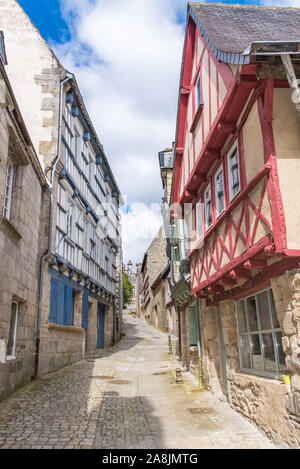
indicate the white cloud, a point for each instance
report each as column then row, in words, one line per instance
column 126, row 57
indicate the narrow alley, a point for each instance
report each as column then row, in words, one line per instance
column 128, row 399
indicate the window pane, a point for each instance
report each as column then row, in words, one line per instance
column 251, row 313
column 219, row 188
column 257, row 357
column 12, row 328
column 208, row 208
column 263, row 304
column 245, row 351
column 270, row 362
column 282, row 365
column 241, row 316
column 273, row 311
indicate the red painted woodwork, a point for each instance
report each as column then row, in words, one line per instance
column 254, row 284
column 216, row 267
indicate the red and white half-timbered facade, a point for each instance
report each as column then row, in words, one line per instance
column 227, row 168
column 236, row 184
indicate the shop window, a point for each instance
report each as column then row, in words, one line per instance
column 260, row 336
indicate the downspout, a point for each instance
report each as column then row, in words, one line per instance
column 121, row 286
column 45, row 256
column 200, row 370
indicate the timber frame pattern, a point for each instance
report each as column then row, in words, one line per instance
column 218, row 272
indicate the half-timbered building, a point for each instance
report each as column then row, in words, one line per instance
column 236, row 183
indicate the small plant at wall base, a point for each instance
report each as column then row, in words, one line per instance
column 127, row 290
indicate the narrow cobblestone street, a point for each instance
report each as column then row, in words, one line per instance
column 126, row 399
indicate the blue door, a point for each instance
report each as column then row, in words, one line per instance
column 100, row 325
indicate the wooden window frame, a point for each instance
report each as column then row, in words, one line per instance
column 8, row 189
column 208, row 188
column 216, row 174
column 234, row 148
column 13, row 355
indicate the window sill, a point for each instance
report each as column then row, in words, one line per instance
column 9, row 358
column 196, row 118
column 260, row 377
column 60, row 327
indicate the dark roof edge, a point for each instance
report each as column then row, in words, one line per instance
column 227, row 57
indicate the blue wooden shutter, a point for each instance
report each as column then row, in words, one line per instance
column 68, row 306
column 85, row 307
column 60, row 303
column 53, row 300
column 192, row 326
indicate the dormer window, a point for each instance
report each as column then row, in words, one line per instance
column 233, row 172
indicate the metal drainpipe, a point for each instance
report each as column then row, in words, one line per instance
column 121, row 287
column 199, row 345
column 45, row 256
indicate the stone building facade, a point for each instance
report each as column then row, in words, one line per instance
column 237, row 165
column 23, row 187
column 155, row 259
column 79, row 304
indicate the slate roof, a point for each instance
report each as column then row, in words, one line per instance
column 230, row 29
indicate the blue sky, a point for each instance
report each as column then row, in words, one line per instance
column 128, row 75
column 47, row 16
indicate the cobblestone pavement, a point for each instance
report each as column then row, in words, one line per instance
column 127, row 398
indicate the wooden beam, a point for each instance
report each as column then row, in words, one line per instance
column 227, row 282
column 239, row 273
column 255, row 264
column 226, row 127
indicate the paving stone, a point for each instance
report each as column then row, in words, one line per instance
column 131, row 409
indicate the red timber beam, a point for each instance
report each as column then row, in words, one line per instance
column 185, row 88
column 237, row 263
column 265, row 110
column 256, row 283
column 235, row 100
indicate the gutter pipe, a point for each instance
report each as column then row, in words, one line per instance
column 200, row 370
column 45, row 256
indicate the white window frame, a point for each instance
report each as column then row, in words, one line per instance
column 13, row 356
column 196, row 90
column 9, row 181
column 230, row 179
column 208, row 189
column 217, row 174
column 260, row 331
column 199, row 220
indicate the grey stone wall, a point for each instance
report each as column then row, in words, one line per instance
column 19, row 253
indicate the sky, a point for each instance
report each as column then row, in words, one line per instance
column 126, row 56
